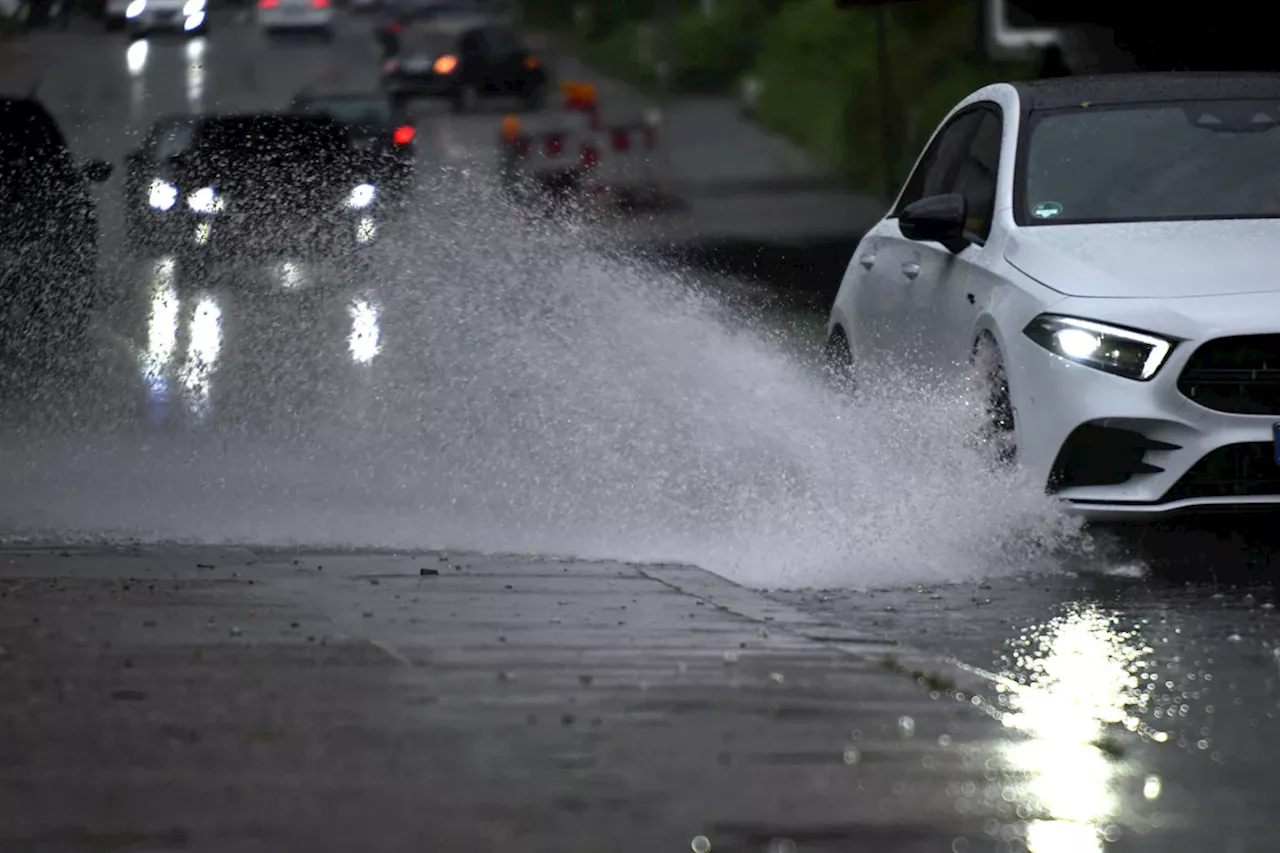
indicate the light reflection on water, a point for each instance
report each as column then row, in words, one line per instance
column 195, row 73
column 364, row 339
column 202, row 354
column 203, row 341
column 162, row 334
column 1074, row 681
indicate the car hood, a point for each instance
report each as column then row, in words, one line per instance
column 1151, row 259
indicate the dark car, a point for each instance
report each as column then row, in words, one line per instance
column 463, row 58
column 48, row 229
column 380, row 130
column 250, row 186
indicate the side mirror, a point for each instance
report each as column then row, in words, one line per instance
column 97, row 171
column 937, row 219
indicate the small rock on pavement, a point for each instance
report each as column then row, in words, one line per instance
column 426, row 573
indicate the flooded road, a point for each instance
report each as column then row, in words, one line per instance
column 1147, row 696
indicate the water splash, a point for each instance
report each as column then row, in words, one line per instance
column 535, row 390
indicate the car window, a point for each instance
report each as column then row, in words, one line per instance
column 426, row 39
column 976, row 176
column 936, row 171
column 500, row 42
column 1213, row 159
column 28, row 135
column 472, row 42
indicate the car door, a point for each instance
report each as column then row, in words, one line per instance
column 894, row 301
column 966, row 285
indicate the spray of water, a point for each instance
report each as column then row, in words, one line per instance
column 529, row 389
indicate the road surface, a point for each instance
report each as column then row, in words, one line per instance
column 212, row 654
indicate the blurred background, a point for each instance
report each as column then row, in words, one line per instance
column 788, row 123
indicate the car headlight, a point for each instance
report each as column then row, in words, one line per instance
column 1123, row 352
column 362, row 196
column 162, row 194
column 205, row 200
column 136, row 8
column 193, row 7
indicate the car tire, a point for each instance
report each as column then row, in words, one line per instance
column 837, row 357
column 998, row 432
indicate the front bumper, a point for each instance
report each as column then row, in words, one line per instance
column 1117, row 449
column 192, row 235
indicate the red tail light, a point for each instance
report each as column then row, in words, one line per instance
column 555, row 145
column 319, row 4
column 621, row 139
column 403, row 135
column 268, row 4
column 395, row 28
column 590, row 157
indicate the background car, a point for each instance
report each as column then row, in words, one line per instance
column 145, row 16
column 380, row 129
column 274, row 16
column 463, row 58
column 252, row 186
column 48, row 232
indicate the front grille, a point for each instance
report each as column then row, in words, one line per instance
column 1232, row 471
column 1240, row 375
column 1097, row 455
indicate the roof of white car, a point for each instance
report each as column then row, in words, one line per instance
column 1062, row 92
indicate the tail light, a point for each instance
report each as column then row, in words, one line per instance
column 590, row 157
column 395, row 28
column 403, row 135
column 319, row 4
column 268, row 4
column 555, row 145
column 531, row 62
column 445, row 64
column 621, row 139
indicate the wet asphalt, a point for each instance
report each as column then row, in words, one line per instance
column 240, row 700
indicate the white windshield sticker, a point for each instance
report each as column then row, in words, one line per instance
column 1046, row 210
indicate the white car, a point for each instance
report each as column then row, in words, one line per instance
column 146, row 16
column 280, row 15
column 1106, row 251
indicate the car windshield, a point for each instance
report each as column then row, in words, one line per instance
column 271, row 138
column 350, row 110
column 427, row 40
column 1142, row 162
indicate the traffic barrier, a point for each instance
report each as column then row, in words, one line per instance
column 607, row 162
